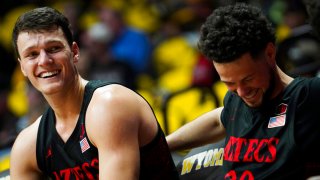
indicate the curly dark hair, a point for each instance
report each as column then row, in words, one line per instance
column 230, row 31
column 41, row 19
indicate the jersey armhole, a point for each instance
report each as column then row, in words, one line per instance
column 223, row 112
column 40, row 144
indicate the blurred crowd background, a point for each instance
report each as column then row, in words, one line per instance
column 151, row 47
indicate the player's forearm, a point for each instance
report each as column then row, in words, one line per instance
column 183, row 138
column 203, row 130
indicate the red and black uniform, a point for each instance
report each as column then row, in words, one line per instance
column 279, row 140
column 77, row 158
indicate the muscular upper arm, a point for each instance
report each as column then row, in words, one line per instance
column 23, row 163
column 114, row 121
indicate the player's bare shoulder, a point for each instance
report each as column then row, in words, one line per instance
column 28, row 136
column 111, row 107
column 115, row 96
column 23, row 153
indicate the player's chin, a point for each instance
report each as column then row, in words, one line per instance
column 254, row 103
column 256, row 100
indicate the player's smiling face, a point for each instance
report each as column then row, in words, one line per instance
column 47, row 59
column 249, row 78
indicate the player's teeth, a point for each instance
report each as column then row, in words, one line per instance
column 47, row 74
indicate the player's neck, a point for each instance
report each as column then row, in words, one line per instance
column 282, row 80
column 68, row 105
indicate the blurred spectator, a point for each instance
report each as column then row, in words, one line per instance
column 299, row 54
column 298, row 49
column 100, row 63
column 313, row 9
column 127, row 44
column 295, row 14
column 285, row 15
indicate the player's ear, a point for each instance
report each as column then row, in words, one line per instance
column 270, row 54
column 76, row 52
